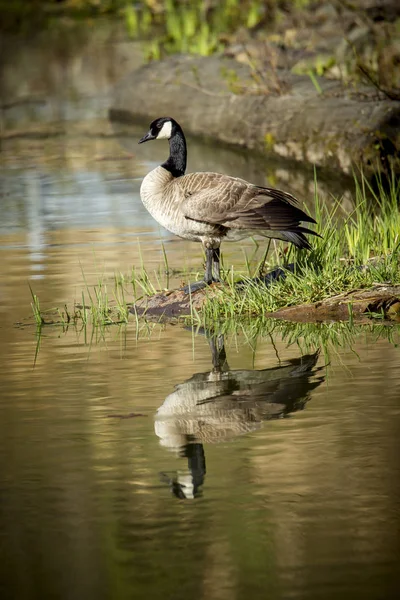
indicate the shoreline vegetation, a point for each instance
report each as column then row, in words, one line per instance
column 351, row 273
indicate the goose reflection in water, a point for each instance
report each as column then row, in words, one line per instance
column 221, row 404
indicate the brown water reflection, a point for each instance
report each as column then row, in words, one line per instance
column 221, row 404
column 306, row 506
column 301, row 507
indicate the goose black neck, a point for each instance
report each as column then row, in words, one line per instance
column 176, row 162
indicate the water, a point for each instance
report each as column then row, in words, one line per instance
column 302, row 506
column 255, row 477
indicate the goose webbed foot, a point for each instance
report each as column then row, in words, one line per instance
column 194, row 287
column 198, row 285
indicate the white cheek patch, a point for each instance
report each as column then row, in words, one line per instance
column 165, row 131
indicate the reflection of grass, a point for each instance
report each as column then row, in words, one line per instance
column 334, row 337
column 331, row 338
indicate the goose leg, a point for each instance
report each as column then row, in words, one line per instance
column 218, row 354
column 208, row 278
column 216, row 265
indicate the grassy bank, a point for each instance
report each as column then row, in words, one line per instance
column 357, row 250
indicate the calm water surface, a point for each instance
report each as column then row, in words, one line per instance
column 157, row 463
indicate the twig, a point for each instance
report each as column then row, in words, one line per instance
column 388, row 93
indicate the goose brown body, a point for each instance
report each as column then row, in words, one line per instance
column 201, row 206
column 207, row 207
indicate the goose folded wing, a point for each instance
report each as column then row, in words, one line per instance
column 219, row 199
column 211, row 197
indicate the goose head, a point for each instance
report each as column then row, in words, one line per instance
column 160, row 129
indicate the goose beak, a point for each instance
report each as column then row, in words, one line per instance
column 147, row 137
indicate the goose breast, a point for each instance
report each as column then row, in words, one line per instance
column 164, row 198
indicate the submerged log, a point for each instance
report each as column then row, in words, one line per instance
column 216, row 97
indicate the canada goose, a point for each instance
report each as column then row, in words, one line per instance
column 209, row 207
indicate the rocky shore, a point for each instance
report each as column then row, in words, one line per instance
column 215, row 97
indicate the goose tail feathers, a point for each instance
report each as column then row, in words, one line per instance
column 297, row 238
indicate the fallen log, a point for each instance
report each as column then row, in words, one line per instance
column 381, row 300
column 171, row 305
